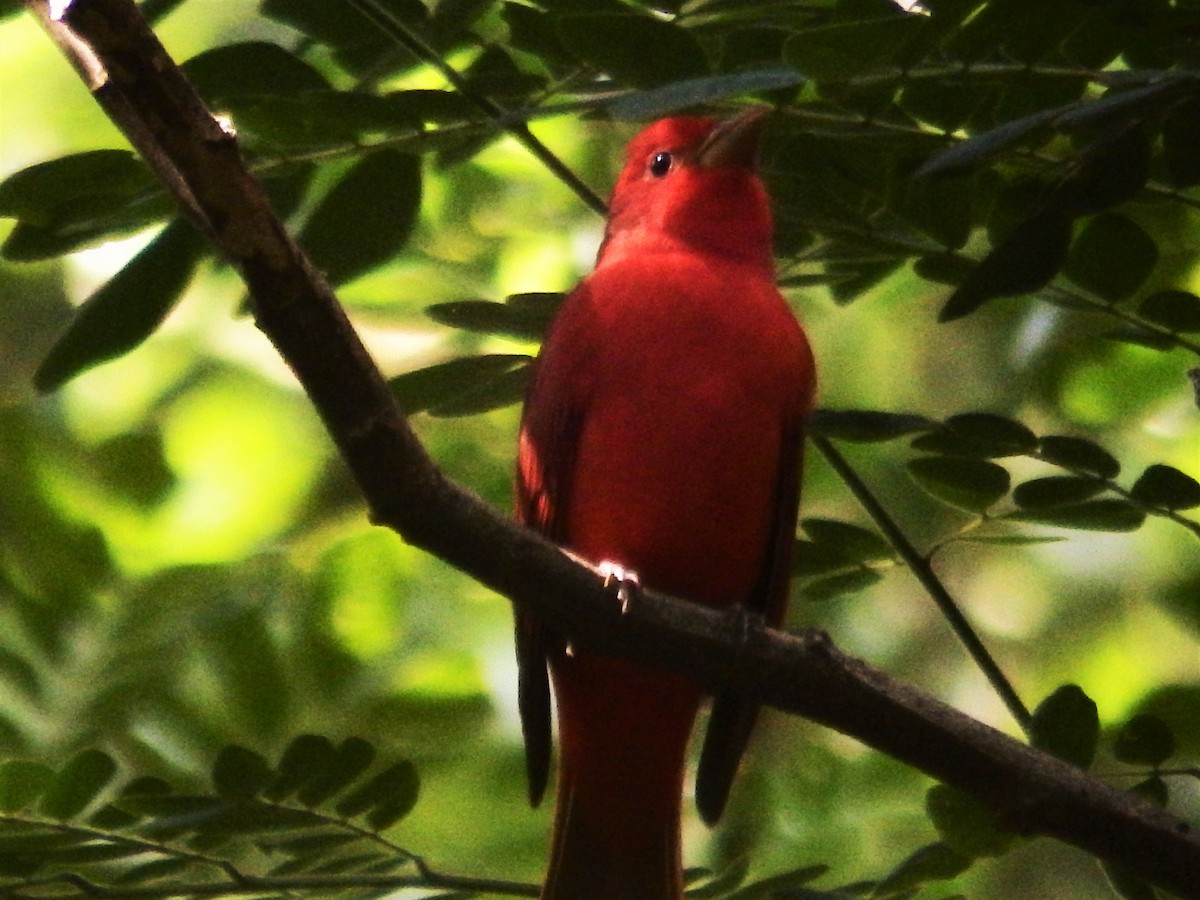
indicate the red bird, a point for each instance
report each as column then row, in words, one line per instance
column 662, row 433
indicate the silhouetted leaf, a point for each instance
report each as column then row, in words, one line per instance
column 856, row 543
column 933, row 862
column 1181, row 144
column 1025, row 261
column 1166, row 487
column 1112, row 257
column 77, row 784
column 866, row 426
column 1093, row 515
column 524, row 316
column 1177, row 310
column 842, row 50
column 1079, row 454
column 240, row 774
column 826, row 587
column 1108, row 172
column 1066, row 725
column 655, row 102
column 352, row 758
column 1144, row 740
column 387, row 797
column 1055, row 490
column 965, row 824
column 250, row 67
column 971, row 484
column 128, row 308
column 438, row 385
column 634, row 49
column 367, row 217
column 982, row 148
column 306, row 757
column 983, row 435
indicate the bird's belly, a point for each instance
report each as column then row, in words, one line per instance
column 685, row 500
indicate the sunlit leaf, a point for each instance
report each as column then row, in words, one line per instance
column 1066, row 725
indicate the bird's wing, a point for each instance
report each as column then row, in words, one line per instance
column 549, row 438
column 733, row 716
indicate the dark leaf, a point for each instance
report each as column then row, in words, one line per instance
column 1144, row 740
column 944, row 268
column 391, row 793
column 1166, row 487
column 252, row 67
column 1080, row 455
column 1126, row 885
column 1181, row 144
column 1093, row 515
column 982, row 148
column 842, row 50
column 367, row 217
column 78, row 783
column 1066, row 725
column 1107, row 173
column 1025, row 261
column 21, row 783
column 1112, row 257
column 655, row 102
column 933, row 862
column 155, row 870
column 317, row 121
column 438, row 385
column 1056, row 490
column 240, row 774
column 970, row 484
column 352, row 758
column 1141, row 337
column 503, row 390
column 1176, row 310
column 306, row 758
column 782, row 885
column 828, row 586
column 866, row 426
column 525, row 316
column 634, row 49
column 966, row 824
column 358, row 43
column 127, row 309
column 856, row 543
column 983, row 435
column 1153, row 789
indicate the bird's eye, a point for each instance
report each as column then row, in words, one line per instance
column 660, row 164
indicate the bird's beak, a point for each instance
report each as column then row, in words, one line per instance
column 734, row 142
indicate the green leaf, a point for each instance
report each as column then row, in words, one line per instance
column 981, row 435
column 1107, row 173
column 1176, row 310
column 1025, row 261
column 826, row 587
column 78, row 783
column 843, row 50
column 1067, row 725
column 1181, row 144
column 367, row 217
column 970, row 484
column 856, row 543
column 634, row 49
column 21, row 783
column 1056, row 490
column 866, row 426
column 353, row 757
column 440, row 385
column 1094, row 515
column 1145, row 740
column 76, row 201
column 1078, row 454
column 306, row 757
column 240, row 774
column 525, row 316
column 1166, row 487
column 127, row 309
column 1127, row 885
column 982, row 148
column 933, row 862
column 358, row 43
column 251, row 67
column 1112, row 257
column 387, row 797
column 689, row 92
column 965, row 824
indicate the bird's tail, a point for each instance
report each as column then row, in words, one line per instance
column 624, row 732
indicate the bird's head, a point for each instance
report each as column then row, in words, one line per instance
column 692, row 181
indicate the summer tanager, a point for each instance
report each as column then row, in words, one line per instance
column 661, row 434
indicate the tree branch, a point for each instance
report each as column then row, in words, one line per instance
column 145, row 94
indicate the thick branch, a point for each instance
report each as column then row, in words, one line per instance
column 149, row 99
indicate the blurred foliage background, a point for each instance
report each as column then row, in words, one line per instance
column 185, row 564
